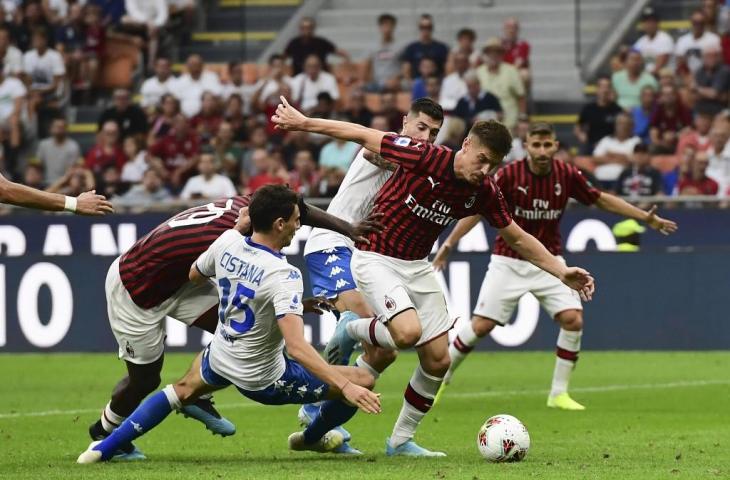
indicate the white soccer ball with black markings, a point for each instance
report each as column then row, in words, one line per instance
column 503, row 438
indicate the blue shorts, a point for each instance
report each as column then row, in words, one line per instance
column 329, row 271
column 296, row 385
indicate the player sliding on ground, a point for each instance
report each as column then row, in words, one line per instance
column 431, row 189
column 88, row 203
column 260, row 312
column 537, row 190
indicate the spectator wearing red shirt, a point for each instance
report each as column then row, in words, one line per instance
column 695, row 181
column 669, row 117
column 207, row 121
column 178, row 150
column 516, row 51
column 270, row 171
column 107, row 151
column 306, row 176
column 697, row 137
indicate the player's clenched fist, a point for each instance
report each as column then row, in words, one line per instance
column 288, row 117
column 361, row 397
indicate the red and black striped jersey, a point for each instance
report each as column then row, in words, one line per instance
column 157, row 265
column 424, row 196
column 537, row 202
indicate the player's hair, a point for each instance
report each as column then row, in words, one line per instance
column 270, row 203
column 428, row 107
column 494, row 135
column 387, row 17
column 541, row 128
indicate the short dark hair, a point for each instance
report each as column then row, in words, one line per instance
column 274, row 57
column 270, row 203
column 233, row 64
column 467, row 32
column 494, row 135
column 641, row 147
column 541, row 128
column 428, row 107
column 39, row 32
column 387, row 17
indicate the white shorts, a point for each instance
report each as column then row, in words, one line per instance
column 140, row 332
column 392, row 286
column 507, row 279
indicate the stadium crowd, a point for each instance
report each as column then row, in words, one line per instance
column 658, row 125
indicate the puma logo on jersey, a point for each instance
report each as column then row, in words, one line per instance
column 523, row 189
column 433, row 184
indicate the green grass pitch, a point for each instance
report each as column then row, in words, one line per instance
column 650, row 416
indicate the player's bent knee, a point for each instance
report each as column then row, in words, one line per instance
column 571, row 320
column 482, row 325
column 406, row 337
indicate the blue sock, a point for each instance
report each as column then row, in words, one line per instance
column 146, row 417
column 333, row 413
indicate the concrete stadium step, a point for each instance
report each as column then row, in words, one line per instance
column 226, row 52
column 271, row 19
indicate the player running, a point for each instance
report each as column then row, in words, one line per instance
column 432, row 188
column 328, row 254
column 150, row 282
column 260, row 311
column 537, row 190
column 88, row 203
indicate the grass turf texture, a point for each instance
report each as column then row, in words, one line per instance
column 650, row 415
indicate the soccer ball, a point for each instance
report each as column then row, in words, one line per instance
column 503, row 438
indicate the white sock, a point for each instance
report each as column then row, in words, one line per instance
column 567, row 353
column 462, row 345
column 360, row 362
column 109, row 419
column 372, row 332
column 417, row 402
column 172, row 397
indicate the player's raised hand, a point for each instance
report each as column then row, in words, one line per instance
column 439, row 261
column 662, row 225
column 243, row 224
column 361, row 397
column 288, row 117
column 89, row 203
column 369, row 225
column 580, row 280
column 317, row 305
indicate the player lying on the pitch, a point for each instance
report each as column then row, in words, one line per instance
column 260, row 312
column 88, row 203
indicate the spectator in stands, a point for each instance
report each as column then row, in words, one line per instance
column 169, row 108
column 259, row 140
column 33, row 177
column 307, row 43
column 293, row 143
column 712, row 82
column 656, row 47
column 565, row 154
column 696, row 181
column 129, row 116
column 58, row 152
column 454, row 87
column 313, row 80
column 718, row 155
column 690, row 46
column 11, row 57
column 503, row 81
column 237, row 85
column 12, row 100
column 181, row 19
column 30, row 21
column 357, row 111
column 477, row 104
column 642, row 113
column 389, row 109
column 269, row 85
column 325, row 107
column 639, row 178
column 233, row 114
column 382, row 67
column 112, row 11
column 613, row 152
column 269, row 171
column 669, row 117
column 151, row 192
column 628, row 82
column 426, row 69
column 711, row 11
column 227, row 153
column 698, row 137
column 379, row 122
column 74, row 182
column 597, row 118
column 155, row 87
column 147, row 17
column 207, row 121
column 519, row 137
column 208, row 184
column 452, row 132
column 110, row 183
column 106, row 151
column 305, row 177
column 338, row 154
column 465, row 41
column 44, row 71
column 516, row 50
column 433, row 88
column 425, row 46
column 190, row 86
column 94, row 46
column 137, row 160
column 178, row 150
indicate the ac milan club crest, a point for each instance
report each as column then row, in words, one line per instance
column 470, row 201
column 389, row 303
column 558, row 189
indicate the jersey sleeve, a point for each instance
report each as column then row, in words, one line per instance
column 287, row 298
column 582, row 189
column 405, row 151
column 207, row 260
column 494, row 206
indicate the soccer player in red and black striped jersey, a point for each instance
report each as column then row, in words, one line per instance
column 150, row 282
column 432, row 187
column 537, row 190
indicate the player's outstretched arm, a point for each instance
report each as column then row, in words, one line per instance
column 88, row 203
column 318, row 218
column 535, row 252
column 614, row 204
column 289, row 118
column 292, row 329
column 462, row 227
